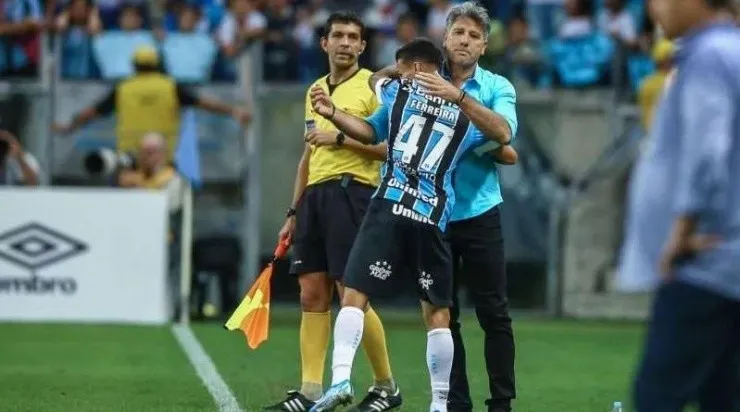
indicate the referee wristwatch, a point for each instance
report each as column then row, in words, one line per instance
column 291, row 212
column 340, row 138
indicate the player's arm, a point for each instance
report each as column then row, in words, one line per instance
column 371, row 151
column 353, row 126
column 103, row 107
column 389, row 72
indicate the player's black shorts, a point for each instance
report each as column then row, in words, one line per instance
column 327, row 220
column 392, row 245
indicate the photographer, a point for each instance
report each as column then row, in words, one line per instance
column 17, row 167
column 151, row 170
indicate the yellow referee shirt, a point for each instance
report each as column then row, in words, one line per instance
column 353, row 96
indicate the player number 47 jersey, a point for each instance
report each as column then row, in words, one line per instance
column 426, row 137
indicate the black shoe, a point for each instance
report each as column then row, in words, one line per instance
column 378, row 400
column 294, row 402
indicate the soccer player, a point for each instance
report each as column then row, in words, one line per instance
column 475, row 225
column 334, row 183
column 686, row 206
column 402, row 233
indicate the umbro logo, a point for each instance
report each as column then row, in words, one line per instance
column 34, row 246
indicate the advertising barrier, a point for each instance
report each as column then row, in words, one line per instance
column 83, row 255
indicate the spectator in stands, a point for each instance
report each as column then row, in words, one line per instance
column 189, row 54
column 407, row 29
column 242, row 24
column 17, row 167
column 78, row 22
column 21, row 21
column 437, row 19
column 616, row 20
column 543, row 15
column 523, row 53
column 652, row 86
column 149, row 101
column 280, row 48
column 382, row 15
column 579, row 19
column 113, row 49
column 304, row 35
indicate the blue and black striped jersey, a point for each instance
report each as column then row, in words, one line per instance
column 426, row 138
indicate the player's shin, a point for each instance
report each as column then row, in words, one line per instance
column 347, row 336
column 440, row 352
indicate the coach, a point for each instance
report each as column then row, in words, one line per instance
column 475, row 229
column 686, row 199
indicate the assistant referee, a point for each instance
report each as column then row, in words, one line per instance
column 335, row 179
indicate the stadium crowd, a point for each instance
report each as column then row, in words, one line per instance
column 543, row 43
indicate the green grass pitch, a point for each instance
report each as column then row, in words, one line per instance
column 561, row 366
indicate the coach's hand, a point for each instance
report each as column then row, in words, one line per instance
column 321, row 102
column 436, row 85
column 321, row 138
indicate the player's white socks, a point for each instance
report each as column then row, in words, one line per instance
column 347, row 337
column 440, row 351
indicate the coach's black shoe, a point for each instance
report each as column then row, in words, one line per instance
column 294, row 402
column 378, row 400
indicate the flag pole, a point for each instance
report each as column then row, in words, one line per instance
column 186, row 247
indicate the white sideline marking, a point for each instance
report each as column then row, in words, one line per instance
column 206, row 370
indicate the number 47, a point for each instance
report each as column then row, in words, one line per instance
column 413, row 126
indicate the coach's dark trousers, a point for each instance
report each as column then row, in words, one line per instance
column 478, row 253
column 692, row 352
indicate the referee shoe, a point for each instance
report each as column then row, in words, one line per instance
column 378, row 400
column 294, row 402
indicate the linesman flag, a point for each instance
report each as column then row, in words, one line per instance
column 252, row 315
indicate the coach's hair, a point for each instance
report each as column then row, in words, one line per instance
column 473, row 11
column 344, row 17
column 420, row 50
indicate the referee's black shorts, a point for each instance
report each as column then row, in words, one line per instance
column 327, row 221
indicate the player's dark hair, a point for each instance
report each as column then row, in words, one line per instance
column 420, row 50
column 344, row 17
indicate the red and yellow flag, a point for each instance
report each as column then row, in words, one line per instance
column 252, row 315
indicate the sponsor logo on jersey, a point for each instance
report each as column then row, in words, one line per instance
column 400, row 210
column 434, row 200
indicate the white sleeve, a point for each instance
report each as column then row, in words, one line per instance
column 227, row 31
column 379, row 88
column 257, row 20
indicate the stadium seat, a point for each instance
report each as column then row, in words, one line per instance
column 639, row 66
column 77, row 56
column 189, row 57
column 113, row 52
column 582, row 61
